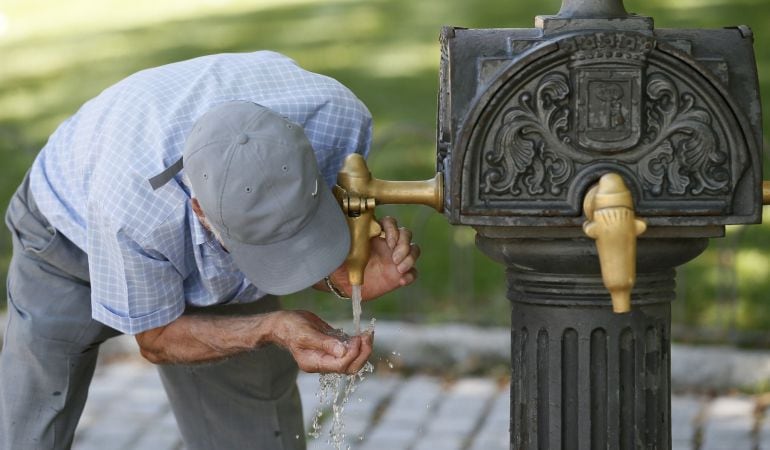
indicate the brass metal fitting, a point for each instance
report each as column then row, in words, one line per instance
column 359, row 193
column 612, row 222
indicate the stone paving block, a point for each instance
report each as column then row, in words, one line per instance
column 386, row 435
column 359, row 410
column 307, row 383
column 120, row 425
column 386, row 442
column 684, row 412
column 114, row 381
column 356, row 426
column 417, row 399
column 126, row 369
column 406, row 416
column 107, row 435
column 440, row 442
column 371, row 392
column 460, row 411
column 127, row 409
column 500, row 442
column 109, row 395
column 125, row 401
column 319, row 444
column 495, row 431
column 764, row 431
column 728, row 424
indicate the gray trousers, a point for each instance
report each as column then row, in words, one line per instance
column 249, row 401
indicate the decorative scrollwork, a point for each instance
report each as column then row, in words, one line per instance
column 681, row 154
column 607, row 105
column 661, row 165
column 525, row 153
column 685, row 154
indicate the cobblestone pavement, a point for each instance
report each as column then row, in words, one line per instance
column 127, row 409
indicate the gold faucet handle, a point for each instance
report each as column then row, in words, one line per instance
column 593, row 228
column 612, row 222
column 358, row 193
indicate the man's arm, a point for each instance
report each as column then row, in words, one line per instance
column 196, row 338
column 201, row 338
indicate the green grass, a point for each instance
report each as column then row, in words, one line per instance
column 56, row 55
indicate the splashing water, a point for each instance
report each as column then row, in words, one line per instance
column 335, row 390
column 356, row 300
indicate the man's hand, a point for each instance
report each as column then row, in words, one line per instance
column 315, row 346
column 390, row 266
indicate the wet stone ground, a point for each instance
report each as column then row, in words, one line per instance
column 127, row 409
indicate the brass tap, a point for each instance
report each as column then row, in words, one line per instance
column 766, row 192
column 612, row 222
column 358, row 193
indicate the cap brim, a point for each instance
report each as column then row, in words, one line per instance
column 298, row 262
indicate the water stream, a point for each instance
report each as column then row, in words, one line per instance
column 356, row 301
column 335, row 390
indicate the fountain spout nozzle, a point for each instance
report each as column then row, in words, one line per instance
column 612, row 222
column 359, row 193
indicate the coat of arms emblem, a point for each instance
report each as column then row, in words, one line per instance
column 607, row 72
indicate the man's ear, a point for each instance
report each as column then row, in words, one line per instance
column 196, row 207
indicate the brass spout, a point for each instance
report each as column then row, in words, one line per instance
column 359, row 193
column 612, row 222
column 766, row 192
column 356, row 178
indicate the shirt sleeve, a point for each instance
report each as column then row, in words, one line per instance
column 136, row 286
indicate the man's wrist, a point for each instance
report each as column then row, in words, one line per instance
column 272, row 332
column 334, row 289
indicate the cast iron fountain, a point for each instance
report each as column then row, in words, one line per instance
column 593, row 154
column 596, row 125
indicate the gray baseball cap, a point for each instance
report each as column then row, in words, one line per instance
column 255, row 175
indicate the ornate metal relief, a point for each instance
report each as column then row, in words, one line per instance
column 682, row 151
column 526, row 148
column 613, row 98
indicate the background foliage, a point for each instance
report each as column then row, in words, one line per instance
column 56, row 55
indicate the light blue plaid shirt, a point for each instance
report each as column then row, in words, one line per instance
column 148, row 254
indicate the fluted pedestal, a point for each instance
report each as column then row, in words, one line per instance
column 583, row 377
